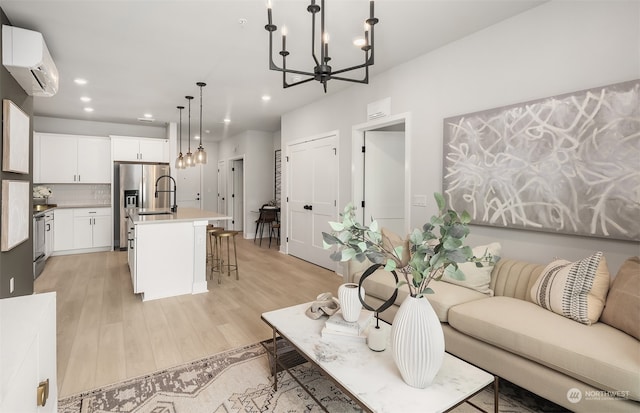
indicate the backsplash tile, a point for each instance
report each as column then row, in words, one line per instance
column 80, row 194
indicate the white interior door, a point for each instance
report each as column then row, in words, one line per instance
column 312, row 192
column 222, row 188
column 384, row 175
column 189, row 187
column 237, row 195
column 28, row 352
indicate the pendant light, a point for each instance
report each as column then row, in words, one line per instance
column 201, row 155
column 188, row 160
column 180, row 158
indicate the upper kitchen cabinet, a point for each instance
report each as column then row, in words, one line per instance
column 139, row 149
column 72, row 159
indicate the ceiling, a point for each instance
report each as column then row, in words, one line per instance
column 144, row 56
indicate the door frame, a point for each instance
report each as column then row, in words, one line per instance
column 229, row 183
column 357, row 163
column 286, row 175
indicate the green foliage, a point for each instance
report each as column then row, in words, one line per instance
column 437, row 249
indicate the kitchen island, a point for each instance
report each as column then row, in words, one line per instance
column 167, row 251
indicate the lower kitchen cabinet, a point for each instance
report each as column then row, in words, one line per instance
column 63, row 230
column 82, row 230
column 91, row 228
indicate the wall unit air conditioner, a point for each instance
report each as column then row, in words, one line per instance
column 26, row 57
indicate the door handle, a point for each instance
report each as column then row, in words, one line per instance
column 43, row 393
column 308, row 207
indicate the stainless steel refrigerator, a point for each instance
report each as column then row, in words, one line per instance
column 136, row 188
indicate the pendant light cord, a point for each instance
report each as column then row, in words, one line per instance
column 189, row 99
column 180, row 128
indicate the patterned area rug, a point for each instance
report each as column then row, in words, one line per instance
column 239, row 381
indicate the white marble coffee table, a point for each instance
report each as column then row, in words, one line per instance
column 370, row 378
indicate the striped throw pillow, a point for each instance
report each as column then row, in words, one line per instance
column 576, row 290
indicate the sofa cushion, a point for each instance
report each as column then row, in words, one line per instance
column 380, row 284
column 477, row 278
column 622, row 308
column 598, row 354
column 576, row 290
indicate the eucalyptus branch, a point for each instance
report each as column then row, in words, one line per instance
column 423, row 256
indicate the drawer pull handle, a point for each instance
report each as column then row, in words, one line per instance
column 43, row 393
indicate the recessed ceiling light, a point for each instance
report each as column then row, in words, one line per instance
column 207, row 131
column 85, row 99
column 197, row 138
column 80, row 81
column 88, row 109
column 148, row 115
column 227, row 120
column 359, row 42
column 266, row 98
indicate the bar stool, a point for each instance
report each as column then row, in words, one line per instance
column 213, row 253
column 220, row 236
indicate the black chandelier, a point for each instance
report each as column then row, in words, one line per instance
column 322, row 71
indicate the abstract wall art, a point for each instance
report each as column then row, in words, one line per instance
column 15, row 138
column 568, row 164
column 16, row 213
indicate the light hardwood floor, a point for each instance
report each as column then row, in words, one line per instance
column 107, row 334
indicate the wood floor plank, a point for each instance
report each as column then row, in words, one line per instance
column 161, row 341
column 81, row 369
column 186, row 337
column 111, row 354
column 103, row 328
column 138, row 354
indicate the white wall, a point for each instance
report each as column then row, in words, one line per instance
column 558, row 47
column 257, row 149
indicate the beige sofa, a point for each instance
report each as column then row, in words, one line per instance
column 513, row 338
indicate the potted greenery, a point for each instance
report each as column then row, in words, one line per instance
column 424, row 255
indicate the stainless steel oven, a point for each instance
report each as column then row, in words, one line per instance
column 39, row 234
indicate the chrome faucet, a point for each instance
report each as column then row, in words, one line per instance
column 174, row 207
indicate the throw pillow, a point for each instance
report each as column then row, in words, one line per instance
column 575, row 290
column 622, row 309
column 477, row 278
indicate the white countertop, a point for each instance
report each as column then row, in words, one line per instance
column 183, row 215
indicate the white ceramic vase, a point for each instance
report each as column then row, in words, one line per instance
column 417, row 342
column 349, row 302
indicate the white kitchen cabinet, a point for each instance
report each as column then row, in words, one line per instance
column 79, row 230
column 94, row 161
column 131, row 255
column 36, row 157
column 62, row 230
column 73, row 159
column 91, row 228
column 60, row 161
column 139, row 149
